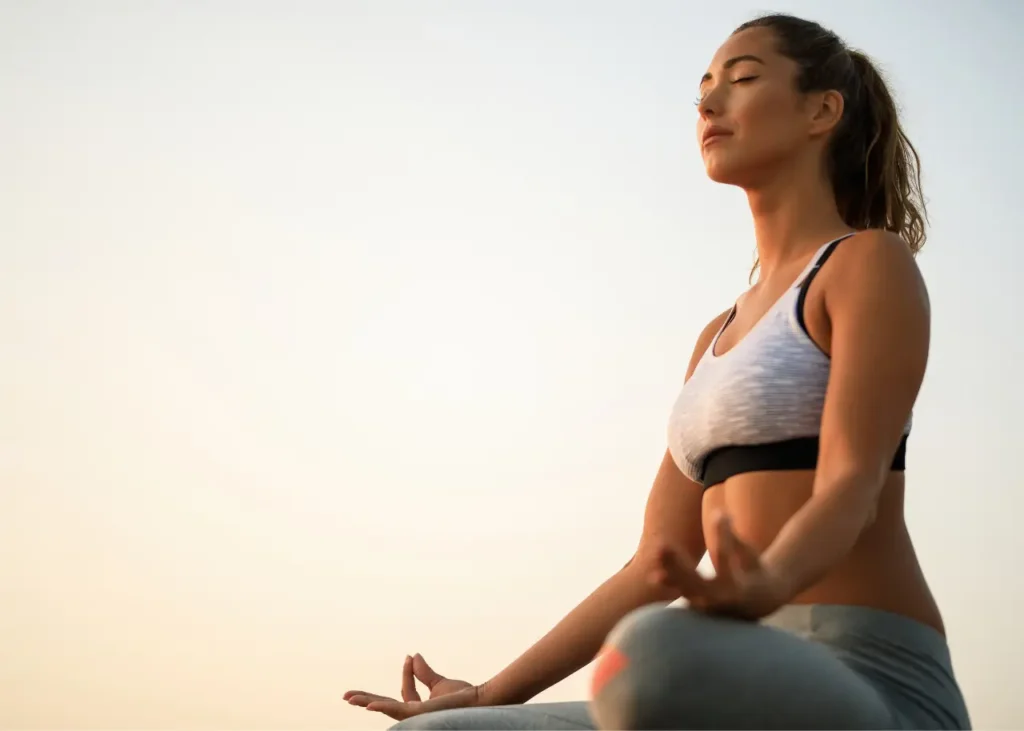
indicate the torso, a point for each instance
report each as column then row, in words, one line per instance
column 882, row 571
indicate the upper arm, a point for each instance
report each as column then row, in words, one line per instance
column 673, row 512
column 878, row 308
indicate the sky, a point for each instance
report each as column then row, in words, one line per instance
column 334, row 332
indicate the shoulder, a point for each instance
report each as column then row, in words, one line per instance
column 876, row 298
column 873, row 261
column 704, row 340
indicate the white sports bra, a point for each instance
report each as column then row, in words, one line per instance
column 758, row 406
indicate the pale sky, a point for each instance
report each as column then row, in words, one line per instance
column 337, row 331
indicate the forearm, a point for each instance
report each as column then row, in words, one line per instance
column 821, row 533
column 574, row 641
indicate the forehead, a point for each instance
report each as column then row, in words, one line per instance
column 759, row 42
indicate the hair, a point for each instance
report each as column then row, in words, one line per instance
column 874, row 170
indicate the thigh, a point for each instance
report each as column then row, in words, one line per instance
column 572, row 716
column 670, row 667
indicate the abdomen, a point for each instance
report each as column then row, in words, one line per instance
column 881, row 571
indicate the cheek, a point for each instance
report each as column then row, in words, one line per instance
column 768, row 121
column 768, row 133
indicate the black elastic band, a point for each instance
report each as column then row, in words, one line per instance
column 791, row 454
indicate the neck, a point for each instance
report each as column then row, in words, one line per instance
column 794, row 214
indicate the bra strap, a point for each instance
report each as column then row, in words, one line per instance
column 811, row 274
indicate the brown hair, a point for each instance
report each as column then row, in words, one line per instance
column 874, row 169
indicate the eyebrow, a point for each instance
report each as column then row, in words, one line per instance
column 732, row 62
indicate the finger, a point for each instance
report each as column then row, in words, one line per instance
column 740, row 557
column 401, row 711
column 725, row 558
column 409, row 692
column 672, row 571
column 700, row 592
column 350, row 693
column 390, row 707
column 426, row 674
column 364, row 700
column 749, row 556
column 721, row 557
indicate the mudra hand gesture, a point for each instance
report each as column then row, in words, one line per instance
column 445, row 693
column 743, row 586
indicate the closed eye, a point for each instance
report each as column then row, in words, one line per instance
column 741, row 80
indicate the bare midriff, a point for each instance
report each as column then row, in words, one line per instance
column 881, row 571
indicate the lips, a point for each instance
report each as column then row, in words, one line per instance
column 713, row 133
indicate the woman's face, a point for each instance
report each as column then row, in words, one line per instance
column 751, row 119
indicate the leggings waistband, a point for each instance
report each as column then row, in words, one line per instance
column 841, row 625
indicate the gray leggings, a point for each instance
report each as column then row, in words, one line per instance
column 805, row 667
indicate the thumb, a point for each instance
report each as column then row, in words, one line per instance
column 424, row 673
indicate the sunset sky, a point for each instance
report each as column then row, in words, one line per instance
column 338, row 331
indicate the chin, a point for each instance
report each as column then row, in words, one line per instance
column 723, row 173
column 728, row 170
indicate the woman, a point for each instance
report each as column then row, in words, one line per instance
column 786, row 448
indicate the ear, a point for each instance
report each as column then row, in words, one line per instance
column 826, row 109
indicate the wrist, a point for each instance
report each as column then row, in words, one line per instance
column 815, row 539
column 786, row 584
column 487, row 696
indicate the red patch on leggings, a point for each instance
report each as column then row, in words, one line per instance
column 610, row 662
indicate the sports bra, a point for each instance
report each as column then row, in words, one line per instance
column 758, row 406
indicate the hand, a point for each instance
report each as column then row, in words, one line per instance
column 445, row 693
column 742, row 587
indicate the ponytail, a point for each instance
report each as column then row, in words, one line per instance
column 874, row 168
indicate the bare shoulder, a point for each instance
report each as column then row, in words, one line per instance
column 879, row 319
column 704, row 340
column 874, row 261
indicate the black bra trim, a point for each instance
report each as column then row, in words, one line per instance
column 806, row 283
column 791, row 454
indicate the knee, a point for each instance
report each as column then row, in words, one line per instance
column 651, row 636
column 650, row 622
column 650, row 659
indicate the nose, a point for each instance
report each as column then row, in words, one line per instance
column 712, row 100
column 708, row 105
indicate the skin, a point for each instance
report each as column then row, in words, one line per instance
column 834, row 535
